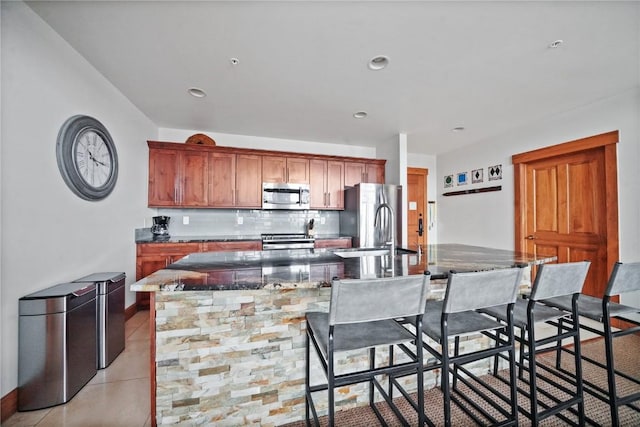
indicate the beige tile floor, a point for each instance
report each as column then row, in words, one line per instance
column 116, row 396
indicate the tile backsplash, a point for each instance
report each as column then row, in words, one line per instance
column 225, row 222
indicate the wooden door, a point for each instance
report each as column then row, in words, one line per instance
column 273, row 169
column 297, row 170
column 163, row 174
column 417, row 208
column 317, row 183
column 248, row 181
column 194, row 179
column 354, row 173
column 566, row 205
column 222, row 179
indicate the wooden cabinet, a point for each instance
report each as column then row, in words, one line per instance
column 357, row 172
column 178, row 178
column 326, row 184
column 248, row 181
column 285, row 169
column 151, row 257
column 240, row 245
column 338, row 243
column 235, row 180
column 198, row 176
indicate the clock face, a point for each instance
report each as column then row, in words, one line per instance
column 87, row 157
column 93, row 159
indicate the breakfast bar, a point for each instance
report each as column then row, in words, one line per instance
column 228, row 327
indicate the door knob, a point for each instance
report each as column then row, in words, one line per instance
column 530, row 237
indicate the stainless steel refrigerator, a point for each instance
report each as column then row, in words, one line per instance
column 361, row 203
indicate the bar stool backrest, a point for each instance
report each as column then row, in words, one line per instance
column 472, row 291
column 555, row 280
column 354, row 301
column 624, row 278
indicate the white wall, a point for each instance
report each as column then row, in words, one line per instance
column 487, row 219
column 49, row 235
column 276, row 144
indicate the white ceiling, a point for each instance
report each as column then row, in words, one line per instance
column 303, row 64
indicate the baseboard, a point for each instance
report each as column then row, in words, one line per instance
column 8, row 405
column 130, row 311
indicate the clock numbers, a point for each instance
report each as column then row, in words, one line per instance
column 93, row 159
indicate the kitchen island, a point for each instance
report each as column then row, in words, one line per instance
column 228, row 327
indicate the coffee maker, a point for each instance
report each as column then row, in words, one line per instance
column 160, row 227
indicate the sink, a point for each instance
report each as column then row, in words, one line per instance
column 361, row 252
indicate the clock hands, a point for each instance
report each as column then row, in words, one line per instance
column 91, row 156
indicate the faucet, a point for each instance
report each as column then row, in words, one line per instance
column 392, row 222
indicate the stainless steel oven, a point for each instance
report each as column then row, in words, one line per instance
column 285, row 196
column 275, row 241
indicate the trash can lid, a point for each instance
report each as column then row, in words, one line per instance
column 61, row 290
column 102, row 277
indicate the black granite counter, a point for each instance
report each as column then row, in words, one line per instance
column 318, row 267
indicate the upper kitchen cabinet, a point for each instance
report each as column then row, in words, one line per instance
column 248, row 181
column 326, row 184
column 285, row 169
column 357, row 172
column 235, row 180
column 177, row 178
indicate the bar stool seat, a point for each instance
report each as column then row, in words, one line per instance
column 460, row 324
column 354, row 336
column 541, row 313
column 591, row 307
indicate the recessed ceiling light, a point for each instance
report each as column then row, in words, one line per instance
column 360, row 114
column 378, row 62
column 457, row 129
column 555, row 44
column 234, row 61
column 196, row 92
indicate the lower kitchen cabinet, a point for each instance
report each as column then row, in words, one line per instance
column 151, row 257
column 339, row 243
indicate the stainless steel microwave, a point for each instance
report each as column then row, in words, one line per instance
column 285, row 196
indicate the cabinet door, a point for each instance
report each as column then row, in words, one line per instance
column 163, row 176
column 245, row 245
column 297, row 170
column 375, row 173
column 317, row 183
column 194, row 171
column 274, row 169
column 248, row 181
column 222, row 179
column 341, row 243
column 144, row 267
column 354, row 173
column 335, row 185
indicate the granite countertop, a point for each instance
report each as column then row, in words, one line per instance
column 311, row 268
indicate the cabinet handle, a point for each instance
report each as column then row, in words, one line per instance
column 329, row 204
column 286, row 175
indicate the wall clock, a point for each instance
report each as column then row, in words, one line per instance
column 87, row 157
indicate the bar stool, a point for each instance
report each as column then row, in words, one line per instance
column 361, row 316
column 624, row 278
column 455, row 317
column 552, row 280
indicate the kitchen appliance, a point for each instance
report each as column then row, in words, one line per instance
column 285, row 196
column 160, row 225
column 372, row 215
column 274, row 241
column 110, row 309
column 56, row 345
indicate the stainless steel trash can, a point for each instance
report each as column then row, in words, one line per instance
column 56, row 345
column 110, row 309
